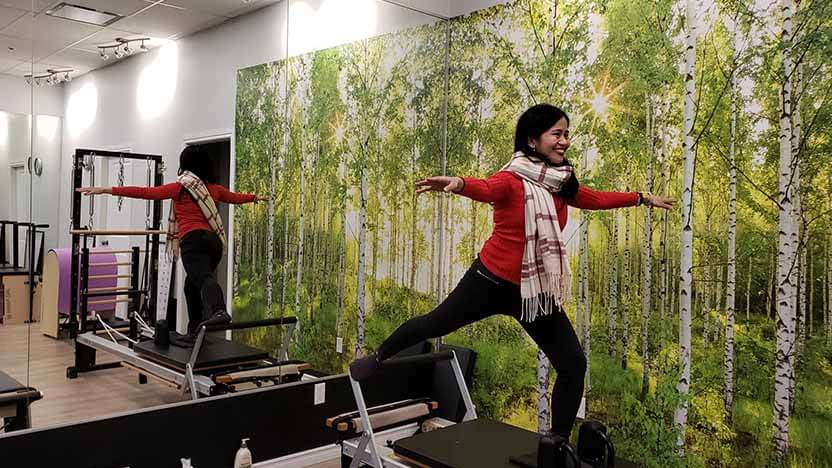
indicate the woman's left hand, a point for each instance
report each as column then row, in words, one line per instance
column 661, row 202
column 261, row 199
column 94, row 190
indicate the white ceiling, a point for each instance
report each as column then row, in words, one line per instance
column 27, row 33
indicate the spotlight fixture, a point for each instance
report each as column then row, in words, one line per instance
column 121, row 47
column 50, row 77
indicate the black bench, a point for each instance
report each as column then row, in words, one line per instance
column 15, row 399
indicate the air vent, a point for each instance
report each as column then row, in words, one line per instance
column 83, row 14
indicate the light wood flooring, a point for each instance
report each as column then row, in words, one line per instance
column 40, row 362
column 69, row 400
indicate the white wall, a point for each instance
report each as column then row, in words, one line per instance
column 15, row 97
column 463, row 7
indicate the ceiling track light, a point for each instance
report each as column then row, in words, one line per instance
column 50, row 77
column 121, row 47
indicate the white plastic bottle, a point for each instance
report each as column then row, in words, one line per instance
column 243, row 457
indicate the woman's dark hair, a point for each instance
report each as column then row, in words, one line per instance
column 536, row 120
column 200, row 161
column 533, row 123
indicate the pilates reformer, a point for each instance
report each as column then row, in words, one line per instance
column 408, row 434
column 211, row 366
column 15, row 399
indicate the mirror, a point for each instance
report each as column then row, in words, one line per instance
column 122, row 104
column 18, row 238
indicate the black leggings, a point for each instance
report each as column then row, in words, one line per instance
column 201, row 253
column 481, row 294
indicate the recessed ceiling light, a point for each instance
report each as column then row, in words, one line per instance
column 83, row 14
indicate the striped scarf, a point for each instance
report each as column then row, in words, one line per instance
column 202, row 196
column 544, row 275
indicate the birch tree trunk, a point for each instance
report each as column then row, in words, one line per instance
column 785, row 287
column 748, row 293
column 285, row 266
column 797, row 265
column 613, row 298
column 770, row 286
column 811, row 309
column 583, row 288
column 647, row 264
column 342, row 254
column 362, row 258
column 828, row 304
column 728, row 397
column 626, row 302
column 301, row 213
column 686, row 257
column 414, row 207
column 270, row 239
column 585, row 299
column 797, row 126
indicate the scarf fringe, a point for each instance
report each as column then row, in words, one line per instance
column 542, row 304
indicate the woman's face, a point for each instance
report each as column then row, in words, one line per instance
column 553, row 143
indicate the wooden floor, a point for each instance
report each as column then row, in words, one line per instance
column 64, row 400
column 29, row 356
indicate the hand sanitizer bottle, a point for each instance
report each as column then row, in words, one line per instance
column 243, row 457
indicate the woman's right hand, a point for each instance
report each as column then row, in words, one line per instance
column 440, row 184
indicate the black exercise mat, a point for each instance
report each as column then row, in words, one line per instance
column 215, row 352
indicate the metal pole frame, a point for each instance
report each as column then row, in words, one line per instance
column 75, row 222
column 367, row 437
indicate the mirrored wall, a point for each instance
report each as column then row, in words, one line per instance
column 303, row 117
column 19, row 237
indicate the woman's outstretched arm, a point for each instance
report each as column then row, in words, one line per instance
column 162, row 192
column 490, row 190
column 588, row 199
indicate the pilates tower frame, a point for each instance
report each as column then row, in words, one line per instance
column 84, row 355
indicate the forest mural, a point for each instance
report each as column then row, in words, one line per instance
column 708, row 328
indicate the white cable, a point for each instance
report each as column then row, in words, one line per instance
column 110, row 329
column 143, row 323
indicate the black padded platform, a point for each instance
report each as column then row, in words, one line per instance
column 10, row 271
column 14, row 394
column 215, row 352
column 481, row 443
column 8, row 384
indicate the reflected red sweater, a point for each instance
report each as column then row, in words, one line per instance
column 502, row 253
column 188, row 214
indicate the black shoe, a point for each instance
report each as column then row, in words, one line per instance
column 594, row 446
column 183, row 341
column 554, row 451
column 220, row 317
column 361, row 369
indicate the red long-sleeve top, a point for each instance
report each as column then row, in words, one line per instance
column 188, row 214
column 502, row 253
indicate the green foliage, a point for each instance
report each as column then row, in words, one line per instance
column 346, row 131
